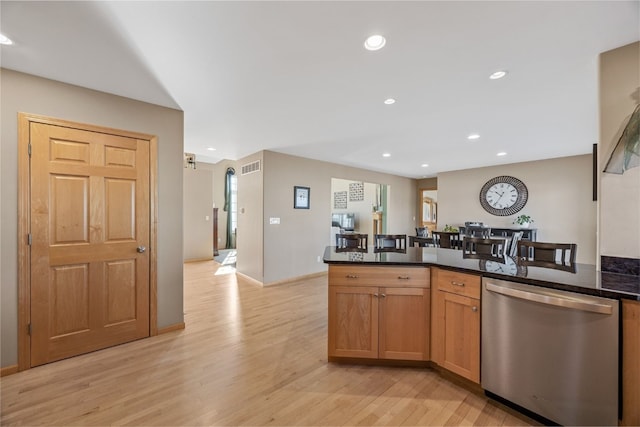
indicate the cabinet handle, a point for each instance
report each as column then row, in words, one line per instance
column 352, row 276
column 375, row 295
column 457, row 283
column 383, row 295
column 403, row 277
column 474, row 308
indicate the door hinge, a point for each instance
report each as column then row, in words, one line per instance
column 29, row 329
column 29, row 149
column 29, row 239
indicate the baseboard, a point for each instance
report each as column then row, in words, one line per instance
column 249, row 279
column 171, row 328
column 198, row 259
column 253, row 281
column 297, row 279
column 8, row 370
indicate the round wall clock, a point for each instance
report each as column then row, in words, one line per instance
column 503, row 195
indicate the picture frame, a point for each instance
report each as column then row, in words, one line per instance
column 301, row 197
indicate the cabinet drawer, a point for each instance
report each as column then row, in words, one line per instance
column 349, row 275
column 457, row 283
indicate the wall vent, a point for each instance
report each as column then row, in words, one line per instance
column 251, row 167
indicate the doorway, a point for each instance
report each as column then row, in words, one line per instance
column 359, row 207
column 428, row 200
column 87, row 264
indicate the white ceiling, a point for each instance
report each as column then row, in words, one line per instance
column 294, row 77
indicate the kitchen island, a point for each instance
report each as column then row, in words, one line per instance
column 425, row 304
column 585, row 280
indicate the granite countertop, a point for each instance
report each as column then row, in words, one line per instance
column 584, row 279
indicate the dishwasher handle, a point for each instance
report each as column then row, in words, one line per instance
column 556, row 300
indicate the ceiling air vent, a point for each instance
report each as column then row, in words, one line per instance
column 251, row 167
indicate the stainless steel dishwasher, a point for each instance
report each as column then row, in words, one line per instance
column 552, row 352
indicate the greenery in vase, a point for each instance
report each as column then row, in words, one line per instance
column 523, row 219
column 450, row 229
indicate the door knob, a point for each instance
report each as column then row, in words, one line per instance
column 141, row 249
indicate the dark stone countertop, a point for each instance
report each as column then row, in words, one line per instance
column 585, row 279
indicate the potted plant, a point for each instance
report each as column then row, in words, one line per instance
column 523, row 220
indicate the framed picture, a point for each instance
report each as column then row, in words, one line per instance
column 301, row 197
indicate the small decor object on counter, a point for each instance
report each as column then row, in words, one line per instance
column 450, row 229
column 523, row 221
column 301, row 197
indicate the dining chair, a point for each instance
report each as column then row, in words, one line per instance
column 447, row 239
column 512, row 249
column 560, row 256
column 352, row 240
column 478, row 247
column 477, row 231
column 390, row 242
column 422, row 231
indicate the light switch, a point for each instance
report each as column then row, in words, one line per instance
column 206, row 218
column 274, row 221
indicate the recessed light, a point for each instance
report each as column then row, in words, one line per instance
column 473, row 136
column 498, row 75
column 211, row 149
column 424, row 165
column 502, row 153
column 389, row 101
column 5, row 40
column 375, row 42
column 386, row 154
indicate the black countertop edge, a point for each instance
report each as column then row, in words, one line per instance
column 594, row 286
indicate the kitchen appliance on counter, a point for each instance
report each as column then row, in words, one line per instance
column 554, row 353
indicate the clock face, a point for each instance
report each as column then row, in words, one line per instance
column 503, row 195
column 509, row 267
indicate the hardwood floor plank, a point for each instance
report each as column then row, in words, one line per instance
column 248, row 356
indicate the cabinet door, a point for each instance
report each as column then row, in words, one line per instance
column 404, row 323
column 630, row 364
column 461, row 322
column 353, row 321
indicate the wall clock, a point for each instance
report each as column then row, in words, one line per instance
column 503, row 195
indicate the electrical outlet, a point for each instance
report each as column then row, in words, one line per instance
column 319, row 258
column 206, row 218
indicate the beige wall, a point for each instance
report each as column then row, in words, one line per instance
column 560, row 200
column 292, row 248
column 30, row 94
column 251, row 217
column 198, row 205
column 619, row 195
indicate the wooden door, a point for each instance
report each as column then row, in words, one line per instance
column 353, row 321
column 404, row 323
column 89, row 217
column 461, row 321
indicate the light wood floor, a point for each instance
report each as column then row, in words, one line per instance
column 248, row 356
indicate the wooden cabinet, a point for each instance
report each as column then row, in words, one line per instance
column 630, row 363
column 456, row 322
column 379, row 312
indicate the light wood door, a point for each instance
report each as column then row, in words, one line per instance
column 404, row 323
column 353, row 321
column 460, row 345
column 90, row 213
